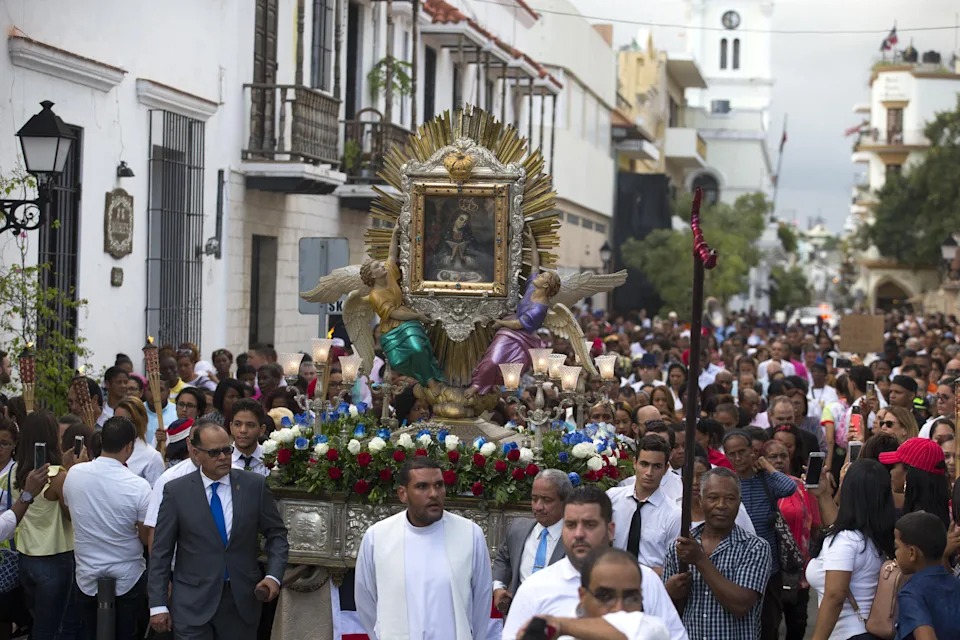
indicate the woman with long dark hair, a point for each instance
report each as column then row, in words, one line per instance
column 847, row 560
column 228, row 391
column 926, row 486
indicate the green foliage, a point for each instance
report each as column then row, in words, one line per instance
column 666, row 256
column 916, row 212
column 377, row 77
column 791, row 288
column 31, row 313
column 788, row 238
column 351, row 156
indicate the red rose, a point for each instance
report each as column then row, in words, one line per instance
column 477, row 489
column 624, row 454
column 449, row 478
column 518, row 474
column 335, row 473
column 500, row 466
column 420, row 452
column 283, row 456
column 332, row 455
column 312, row 461
column 364, row 458
column 612, row 472
column 398, row 456
column 479, row 460
column 453, row 456
column 386, row 476
column 361, row 486
column 532, row 470
column 591, row 476
column 513, row 455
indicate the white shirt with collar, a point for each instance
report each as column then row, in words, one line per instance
column 785, row 366
column 146, row 462
column 106, row 501
column 256, row 463
column 671, row 485
column 659, row 523
column 635, row 625
column 529, row 556
column 225, row 495
column 555, row 592
column 182, row 468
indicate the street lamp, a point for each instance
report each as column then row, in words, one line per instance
column 46, row 142
column 949, row 248
column 606, row 253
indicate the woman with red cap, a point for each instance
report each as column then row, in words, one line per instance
column 921, row 462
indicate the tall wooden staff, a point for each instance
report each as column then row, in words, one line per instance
column 81, row 389
column 151, row 356
column 703, row 258
column 28, row 376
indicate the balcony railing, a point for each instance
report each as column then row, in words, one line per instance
column 292, row 123
column 365, row 142
column 891, row 138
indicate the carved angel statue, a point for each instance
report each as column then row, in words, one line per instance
column 544, row 304
column 374, row 287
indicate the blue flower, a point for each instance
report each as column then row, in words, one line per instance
column 424, row 432
column 574, row 478
column 320, row 439
column 302, row 418
column 442, row 435
column 286, row 422
column 344, row 407
column 479, row 442
column 301, row 444
column 383, row 433
column 509, row 446
column 362, row 407
column 563, row 456
column 360, row 431
column 333, row 416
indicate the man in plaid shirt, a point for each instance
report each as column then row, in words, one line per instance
column 721, row 594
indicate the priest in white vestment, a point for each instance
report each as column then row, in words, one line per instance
column 424, row 573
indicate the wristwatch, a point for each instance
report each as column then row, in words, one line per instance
column 26, row 496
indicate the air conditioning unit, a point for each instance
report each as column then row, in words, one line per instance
column 719, row 106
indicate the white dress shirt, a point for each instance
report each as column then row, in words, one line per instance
column 659, row 523
column 182, row 468
column 671, row 485
column 106, row 502
column 8, row 525
column 635, row 625
column 817, row 399
column 530, row 547
column 226, row 497
column 256, row 464
column 554, row 592
column 146, row 462
column 785, row 366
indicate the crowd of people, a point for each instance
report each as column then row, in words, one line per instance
column 815, row 469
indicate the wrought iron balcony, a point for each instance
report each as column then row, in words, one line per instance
column 366, row 141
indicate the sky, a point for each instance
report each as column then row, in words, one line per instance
column 818, row 78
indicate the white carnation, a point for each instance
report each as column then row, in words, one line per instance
column 595, row 463
column 276, row 436
column 353, row 411
column 583, row 450
column 353, row 447
column 488, row 449
column 295, row 429
column 321, row 449
column 526, row 455
column 424, row 440
column 405, row 441
column 451, row 442
column 376, row 444
column 287, row 436
column 270, row 446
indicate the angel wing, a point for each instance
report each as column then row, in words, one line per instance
column 578, row 286
column 358, row 319
column 561, row 323
column 338, row 283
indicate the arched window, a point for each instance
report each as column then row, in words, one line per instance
column 736, row 53
column 710, row 186
column 723, row 53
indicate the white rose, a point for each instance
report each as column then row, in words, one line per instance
column 424, row 440
column 608, row 452
column 321, row 449
column 353, row 411
column 376, row 445
column 295, row 429
column 270, row 446
column 287, row 436
column 353, row 447
column 276, row 436
column 583, row 450
column 451, row 442
column 405, row 441
column 488, row 449
column 526, row 455
column 595, row 463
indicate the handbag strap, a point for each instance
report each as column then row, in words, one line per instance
column 855, row 606
column 13, row 545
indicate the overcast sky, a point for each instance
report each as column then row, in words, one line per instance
column 818, row 78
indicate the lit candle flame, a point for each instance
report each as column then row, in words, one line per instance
column 149, row 339
column 29, row 345
column 80, row 370
column 330, row 333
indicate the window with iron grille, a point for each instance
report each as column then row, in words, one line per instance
column 175, row 228
column 321, row 61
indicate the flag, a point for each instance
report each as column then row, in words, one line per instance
column 852, row 130
column 891, row 40
column 783, row 140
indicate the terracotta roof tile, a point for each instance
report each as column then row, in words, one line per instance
column 443, row 12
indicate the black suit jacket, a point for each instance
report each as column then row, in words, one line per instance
column 506, row 566
column 186, row 532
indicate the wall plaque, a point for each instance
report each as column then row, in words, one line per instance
column 118, row 223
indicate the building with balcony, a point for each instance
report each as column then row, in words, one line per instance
column 905, row 94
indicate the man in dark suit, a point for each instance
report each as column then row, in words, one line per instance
column 531, row 545
column 208, row 524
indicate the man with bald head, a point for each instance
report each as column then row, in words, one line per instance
column 646, row 414
column 749, row 405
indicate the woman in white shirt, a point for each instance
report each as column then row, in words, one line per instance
column 853, row 549
column 146, row 461
column 610, row 602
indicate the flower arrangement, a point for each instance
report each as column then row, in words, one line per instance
column 365, row 462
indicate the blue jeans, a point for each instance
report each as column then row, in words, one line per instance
column 48, row 585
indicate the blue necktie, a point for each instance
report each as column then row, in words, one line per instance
column 216, row 509
column 540, row 560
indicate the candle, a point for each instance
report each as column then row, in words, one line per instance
column 321, row 350
column 569, row 376
column 511, row 375
column 290, row 363
column 606, row 365
column 350, row 367
column 557, row 360
column 151, row 356
column 541, row 360
column 28, row 371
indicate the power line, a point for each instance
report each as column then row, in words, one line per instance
column 643, row 23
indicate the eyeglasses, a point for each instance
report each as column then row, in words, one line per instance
column 216, row 453
column 185, row 405
column 889, row 424
column 607, row 597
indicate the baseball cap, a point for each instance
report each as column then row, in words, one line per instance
column 906, row 382
column 921, row 453
column 179, row 430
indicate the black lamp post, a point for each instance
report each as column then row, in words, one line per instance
column 45, row 141
column 606, row 253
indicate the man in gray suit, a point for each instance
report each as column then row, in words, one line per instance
column 208, row 523
column 531, row 545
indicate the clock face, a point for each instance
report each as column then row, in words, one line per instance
column 731, row 19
